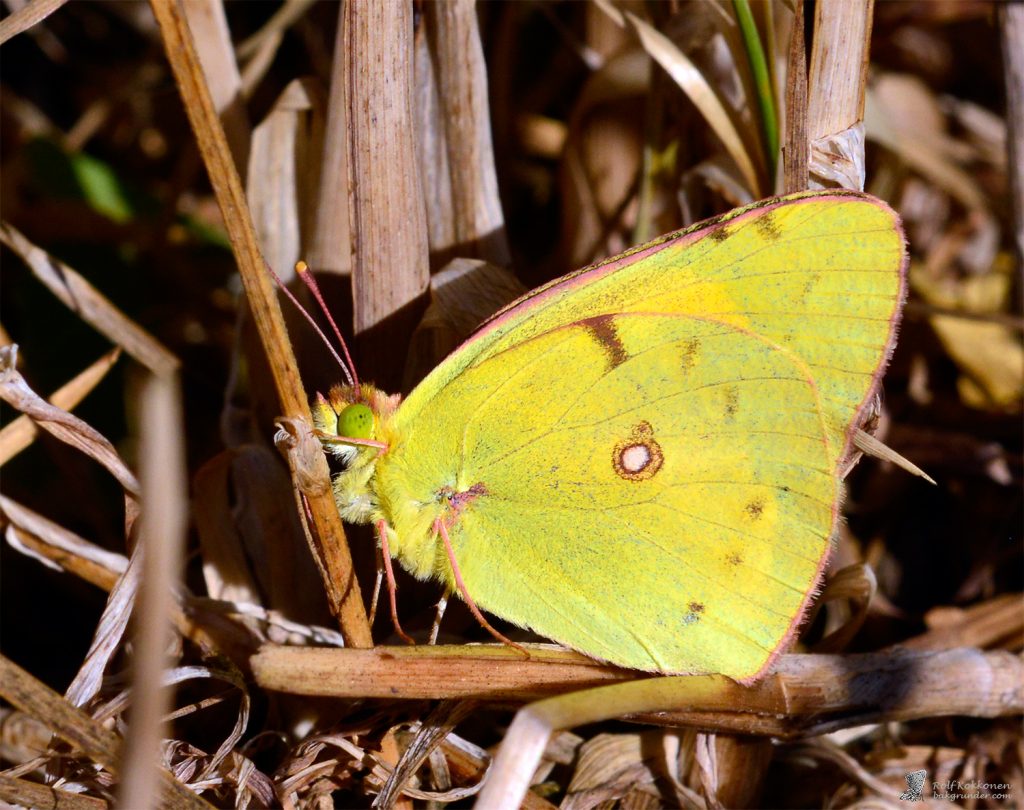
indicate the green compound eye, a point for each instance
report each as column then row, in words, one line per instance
column 356, row 422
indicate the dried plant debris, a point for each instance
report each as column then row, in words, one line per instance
column 524, row 140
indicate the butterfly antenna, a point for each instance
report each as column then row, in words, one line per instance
column 310, row 281
column 347, row 370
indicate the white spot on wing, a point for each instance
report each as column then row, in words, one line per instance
column 635, row 458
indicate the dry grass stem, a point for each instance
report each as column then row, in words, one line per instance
column 61, row 547
column 226, row 182
column 284, row 176
column 347, row 605
column 464, row 110
column 998, row 621
column 23, row 793
column 82, row 732
column 28, row 15
column 801, row 686
column 835, row 96
column 109, row 632
column 434, row 729
column 871, row 446
column 331, row 245
column 795, row 149
column 1012, row 18
column 58, row 422
column 209, row 26
column 898, row 684
column 839, row 67
column 89, row 304
column 20, row 433
column 389, row 235
column 286, row 16
column 162, row 544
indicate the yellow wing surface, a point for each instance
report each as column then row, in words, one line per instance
column 644, row 454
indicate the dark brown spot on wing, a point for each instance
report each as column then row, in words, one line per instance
column 755, row 509
column 806, row 289
column 718, row 234
column 695, row 609
column 602, row 329
column 732, row 401
column 690, row 352
column 734, row 559
column 768, row 227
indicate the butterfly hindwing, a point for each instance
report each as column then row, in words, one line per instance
column 640, row 528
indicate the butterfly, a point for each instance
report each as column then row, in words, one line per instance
column 641, row 460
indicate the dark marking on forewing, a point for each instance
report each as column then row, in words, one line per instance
column 718, row 234
column 734, row 559
column 768, row 227
column 755, row 509
column 690, row 352
column 732, row 401
column 602, row 329
column 806, row 290
column 694, row 614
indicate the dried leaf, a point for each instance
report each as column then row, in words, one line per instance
column 610, row 766
column 463, row 295
column 65, row 426
column 700, row 92
column 82, row 298
column 284, row 175
column 435, row 727
column 69, row 551
column 20, row 433
column 109, row 632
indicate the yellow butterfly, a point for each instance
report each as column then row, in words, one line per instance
column 640, row 460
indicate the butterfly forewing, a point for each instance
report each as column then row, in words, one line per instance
column 643, row 456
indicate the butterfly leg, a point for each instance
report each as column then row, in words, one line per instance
column 442, row 530
column 376, row 588
column 441, row 606
column 382, row 533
